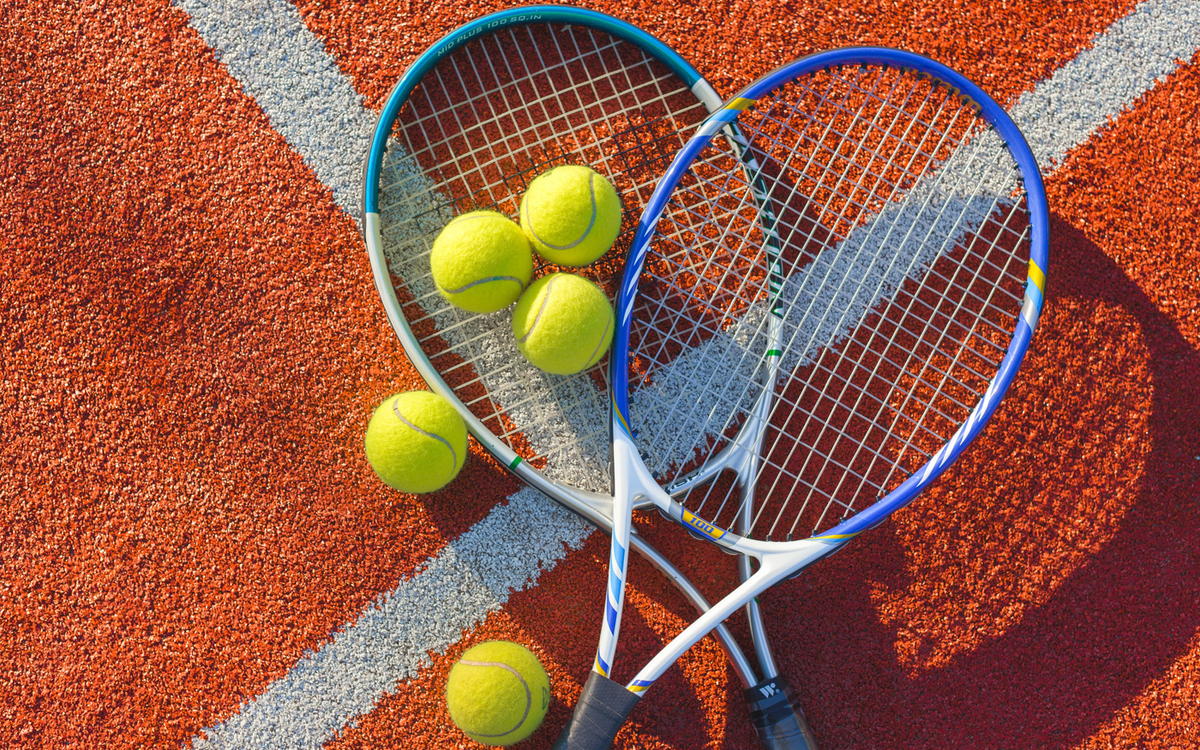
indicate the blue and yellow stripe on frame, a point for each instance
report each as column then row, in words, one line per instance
column 722, row 117
column 1037, row 280
column 1035, row 295
column 620, row 417
column 1037, row 276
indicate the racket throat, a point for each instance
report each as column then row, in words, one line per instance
column 774, row 567
column 740, row 455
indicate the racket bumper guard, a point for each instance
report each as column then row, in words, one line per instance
column 779, row 723
column 599, row 715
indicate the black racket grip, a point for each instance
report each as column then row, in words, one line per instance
column 780, row 724
column 599, row 715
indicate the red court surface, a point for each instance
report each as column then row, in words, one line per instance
column 191, row 347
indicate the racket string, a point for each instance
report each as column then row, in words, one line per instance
column 840, row 435
column 895, row 463
column 818, row 147
column 774, row 143
column 768, row 115
column 891, row 429
column 695, row 285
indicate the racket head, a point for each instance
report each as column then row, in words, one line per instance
column 470, row 123
column 846, row 345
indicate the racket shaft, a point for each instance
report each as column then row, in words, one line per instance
column 618, row 561
column 779, row 723
column 773, row 568
column 603, row 708
column 737, row 659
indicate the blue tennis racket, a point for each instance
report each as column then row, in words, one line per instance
column 783, row 380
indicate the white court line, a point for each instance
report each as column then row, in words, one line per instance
column 1133, row 55
column 391, row 639
column 285, row 68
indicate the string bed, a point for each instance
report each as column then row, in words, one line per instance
column 859, row 263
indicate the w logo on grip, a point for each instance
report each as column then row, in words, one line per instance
column 768, row 690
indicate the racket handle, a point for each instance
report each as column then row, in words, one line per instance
column 599, row 715
column 780, row 724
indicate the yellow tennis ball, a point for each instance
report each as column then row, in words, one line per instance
column 571, row 214
column 416, row 442
column 497, row 693
column 481, row 261
column 563, row 323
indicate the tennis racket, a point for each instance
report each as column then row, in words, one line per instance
column 469, row 125
column 784, row 380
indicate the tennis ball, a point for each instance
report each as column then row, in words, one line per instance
column 498, row 693
column 571, row 215
column 481, row 261
column 416, row 442
column 563, row 323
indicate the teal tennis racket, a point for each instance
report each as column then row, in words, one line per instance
column 468, row 126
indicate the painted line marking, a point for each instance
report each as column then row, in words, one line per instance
column 284, row 67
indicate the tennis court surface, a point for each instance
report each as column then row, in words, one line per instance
column 195, row 552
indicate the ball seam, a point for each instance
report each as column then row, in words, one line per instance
column 599, row 342
column 541, row 309
column 515, row 673
column 586, row 232
column 477, row 282
column 439, row 438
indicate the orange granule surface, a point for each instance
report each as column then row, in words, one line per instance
column 192, row 345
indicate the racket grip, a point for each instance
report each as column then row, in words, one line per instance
column 780, row 724
column 599, row 715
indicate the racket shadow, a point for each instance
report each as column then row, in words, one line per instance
column 1120, row 611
